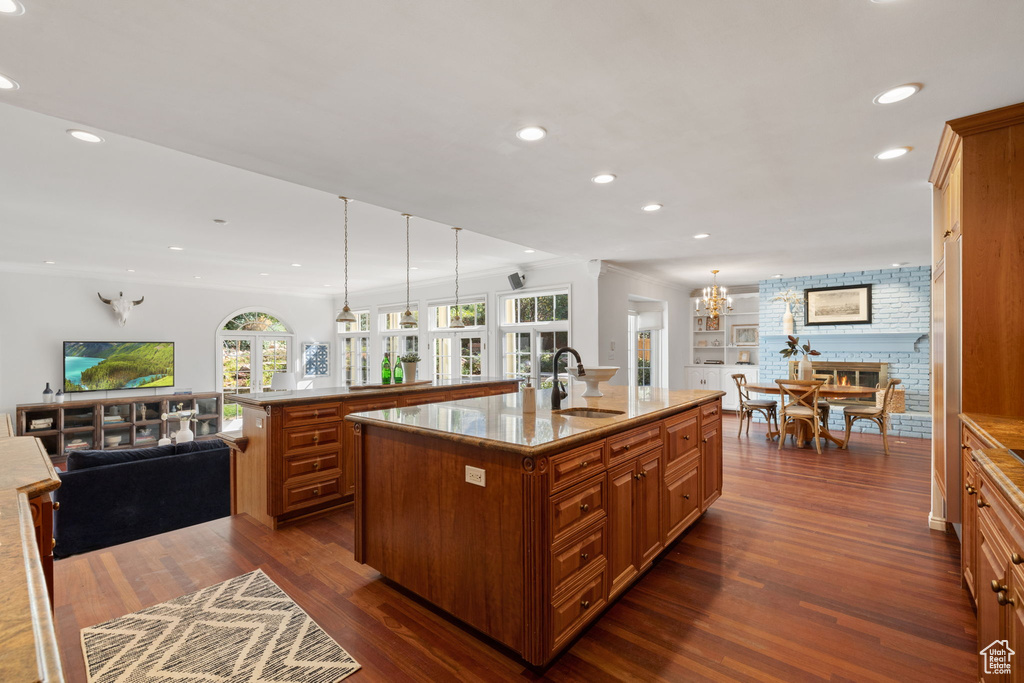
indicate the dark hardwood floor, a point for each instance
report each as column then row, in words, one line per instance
column 808, row 568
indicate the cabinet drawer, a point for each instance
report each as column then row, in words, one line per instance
column 306, row 438
column 472, row 392
column 682, row 434
column 576, row 556
column 682, row 502
column 429, row 397
column 311, row 414
column 577, row 465
column 634, row 442
column 367, row 406
column 971, row 442
column 577, row 507
column 709, row 412
column 310, row 463
column 311, row 493
column 573, row 612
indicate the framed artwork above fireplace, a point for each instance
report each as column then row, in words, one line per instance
column 849, row 305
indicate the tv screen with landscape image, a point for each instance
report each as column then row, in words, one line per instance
column 104, row 366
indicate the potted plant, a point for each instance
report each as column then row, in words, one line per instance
column 793, row 347
column 409, row 362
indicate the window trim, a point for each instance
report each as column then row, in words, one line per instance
column 532, row 328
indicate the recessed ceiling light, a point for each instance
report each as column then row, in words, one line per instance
column 899, row 265
column 528, row 251
column 328, row 285
column 176, row 248
column 8, row 83
column 531, row 133
column 264, row 274
column 603, row 178
column 50, row 263
column 130, row 270
column 84, row 135
column 296, row 265
column 198, row 277
column 882, row 2
column 898, row 94
column 777, row 275
column 892, row 153
column 650, row 208
column 414, row 268
column 220, row 221
column 11, row 7
column 702, row 235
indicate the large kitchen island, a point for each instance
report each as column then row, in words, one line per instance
column 526, row 527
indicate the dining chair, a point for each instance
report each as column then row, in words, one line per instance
column 823, row 405
column 748, row 407
column 879, row 416
column 800, row 404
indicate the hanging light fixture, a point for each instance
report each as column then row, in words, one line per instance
column 407, row 319
column 456, row 321
column 715, row 299
column 346, row 315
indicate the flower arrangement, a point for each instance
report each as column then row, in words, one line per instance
column 410, row 358
column 793, row 348
column 792, row 297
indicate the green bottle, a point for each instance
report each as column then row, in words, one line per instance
column 385, row 371
column 399, row 373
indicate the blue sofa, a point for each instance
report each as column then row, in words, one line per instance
column 116, row 496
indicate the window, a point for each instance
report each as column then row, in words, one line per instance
column 459, row 352
column 533, row 327
column 397, row 341
column 643, row 358
column 251, row 347
column 645, row 346
column 354, row 341
column 473, row 315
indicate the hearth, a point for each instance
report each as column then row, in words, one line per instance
column 851, row 374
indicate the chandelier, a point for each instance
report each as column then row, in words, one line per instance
column 346, row 315
column 408, row 319
column 715, row 299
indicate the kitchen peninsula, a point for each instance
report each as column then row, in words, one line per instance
column 526, row 527
column 297, row 459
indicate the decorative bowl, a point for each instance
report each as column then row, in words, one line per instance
column 594, row 376
column 112, row 440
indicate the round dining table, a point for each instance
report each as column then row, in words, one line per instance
column 827, row 391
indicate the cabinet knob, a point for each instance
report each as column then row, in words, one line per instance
column 584, row 604
column 686, row 496
column 316, row 465
column 947, row 234
column 1016, row 559
column 686, row 437
column 316, row 492
column 983, row 504
column 56, row 505
column 964, row 447
column 627, row 446
column 584, row 507
column 316, row 436
column 316, row 414
column 997, row 587
column 703, row 440
column 1003, row 600
column 643, row 474
column 584, row 556
column 636, row 476
column 970, row 490
column 584, row 465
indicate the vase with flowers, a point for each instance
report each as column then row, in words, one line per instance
column 805, row 370
column 794, row 300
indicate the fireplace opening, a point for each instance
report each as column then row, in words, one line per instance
column 847, row 374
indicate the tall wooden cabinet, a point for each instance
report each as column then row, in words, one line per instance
column 977, row 286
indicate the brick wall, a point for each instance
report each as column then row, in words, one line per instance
column 900, row 302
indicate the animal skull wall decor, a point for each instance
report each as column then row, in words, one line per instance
column 122, row 307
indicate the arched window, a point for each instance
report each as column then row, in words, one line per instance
column 251, row 346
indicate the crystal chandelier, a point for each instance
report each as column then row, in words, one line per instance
column 346, row 315
column 407, row 319
column 715, row 299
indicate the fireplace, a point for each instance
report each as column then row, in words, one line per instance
column 852, row 374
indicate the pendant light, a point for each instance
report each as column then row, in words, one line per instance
column 346, row 315
column 407, row 319
column 456, row 321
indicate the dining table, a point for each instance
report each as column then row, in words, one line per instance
column 827, row 391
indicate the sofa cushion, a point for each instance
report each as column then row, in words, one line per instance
column 196, row 446
column 80, row 460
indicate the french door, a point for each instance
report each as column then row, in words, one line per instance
column 460, row 355
column 248, row 363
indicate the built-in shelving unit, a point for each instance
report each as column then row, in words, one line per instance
column 718, row 344
column 111, row 423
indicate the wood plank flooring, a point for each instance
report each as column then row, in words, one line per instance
column 808, row 568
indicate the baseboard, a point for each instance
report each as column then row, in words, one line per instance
column 936, row 524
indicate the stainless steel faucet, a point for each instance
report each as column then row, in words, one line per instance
column 557, row 388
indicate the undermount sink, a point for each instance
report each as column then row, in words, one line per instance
column 588, row 412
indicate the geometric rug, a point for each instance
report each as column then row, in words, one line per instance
column 243, row 629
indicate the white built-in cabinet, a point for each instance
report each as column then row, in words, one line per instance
column 719, row 378
column 719, row 347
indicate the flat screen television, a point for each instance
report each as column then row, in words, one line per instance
column 106, row 366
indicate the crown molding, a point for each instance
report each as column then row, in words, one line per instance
column 609, row 267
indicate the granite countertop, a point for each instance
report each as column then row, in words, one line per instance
column 498, row 421
column 26, row 627
column 999, row 430
column 266, row 398
column 1006, row 470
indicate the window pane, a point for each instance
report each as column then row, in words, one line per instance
column 362, row 323
column 561, row 307
column 237, row 359
column 391, row 320
column 526, row 310
column 643, row 359
column 545, row 308
column 442, row 358
column 255, row 321
column 481, row 314
column 275, row 359
column 517, row 355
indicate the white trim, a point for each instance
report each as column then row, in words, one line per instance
column 936, row 524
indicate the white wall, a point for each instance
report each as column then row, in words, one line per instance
column 615, row 287
column 574, row 274
column 39, row 311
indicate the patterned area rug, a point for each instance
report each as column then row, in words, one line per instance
column 244, row 629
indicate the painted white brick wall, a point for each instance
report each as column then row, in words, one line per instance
column 900, row 302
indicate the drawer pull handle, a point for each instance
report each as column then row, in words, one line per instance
column 1003, row 600
column 584, row 507
column 686, row 496
column 584, row 464
column 316, row 436
column 53, row 543
column 1016, row 559
column 996, row 587
column 316, row 465
column 636, row 476
column 983, row 504
column 585, row 604
column 686, row 437
column 316, row 414
column 643, row 474
column 56, row 505
column 584, row 556
column 703, row 440
column 970, row 490
column 627, row 446
column 316, row 492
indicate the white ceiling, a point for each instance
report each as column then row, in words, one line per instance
column 750, row 120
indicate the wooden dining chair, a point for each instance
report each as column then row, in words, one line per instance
column 748, row 407
column 800, row 404
column 879, row 416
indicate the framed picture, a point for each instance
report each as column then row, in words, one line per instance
column 745, row 335
column 838, row 305
column 711, row 325
column 316, row 359
column 744, row 358
column 700, row 324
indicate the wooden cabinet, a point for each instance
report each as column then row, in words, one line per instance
column 42, row 518
column 969, row 522
column 710, row 459
column 634, row 516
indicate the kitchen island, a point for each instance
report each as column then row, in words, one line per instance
column 297, row 457
column 526, row 527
